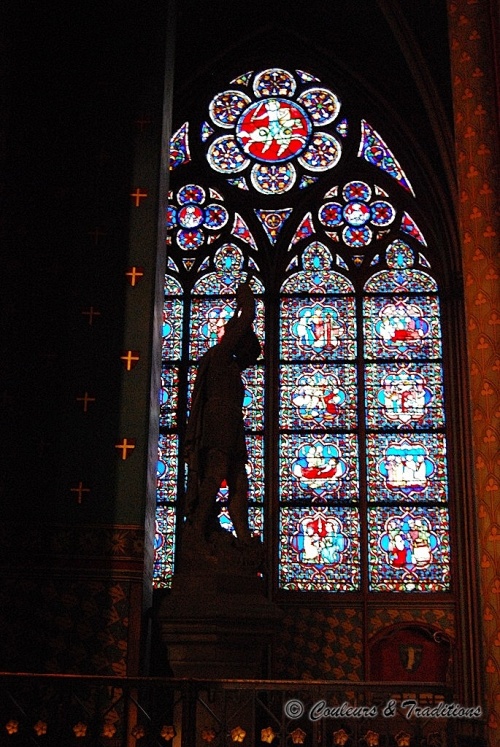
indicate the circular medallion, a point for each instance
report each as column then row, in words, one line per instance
column 357, row 213
column 356, row 191
column 190, row 216
column 273, row 130
column 330, row 214
column 216, row 216
column 271, row 179
column 356, row 237
column 225, row 157
column 322, row 105
column 191, row 239
column 190, row 193
column 322, row 154
column 382, row 213
column 274, row 82
column 227, row 107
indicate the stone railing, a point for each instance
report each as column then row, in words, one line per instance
column 83, row 711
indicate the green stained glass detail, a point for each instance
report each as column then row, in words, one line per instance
column 373, row 149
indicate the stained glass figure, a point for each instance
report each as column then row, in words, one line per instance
column 373, row 149
column 317, row 331
column 409, row 549
column 409, row 226
column 319, row 549
column 273, row 130
column 319, row 468
column 318, row 397
column 405, row 328
column 407, row 467
column 404, row 396
column 179, row 147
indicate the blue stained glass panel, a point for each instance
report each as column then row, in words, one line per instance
column 319, row 549
column 399, row 254
column 401, row 281
column 164, row 547
column 208, row 318
column 409, row 549
column 407, row 467
column 404, row 396
column 168, row 395
column 318, row 468
column 172, row 329
column 318, row 328
column 168, row 449
column 407, row 328
column 318, row 397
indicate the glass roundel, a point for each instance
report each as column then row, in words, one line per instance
column 273, row 130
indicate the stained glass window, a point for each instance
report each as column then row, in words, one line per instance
column 345, row 411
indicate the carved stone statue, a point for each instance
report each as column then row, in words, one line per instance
column 215, row 440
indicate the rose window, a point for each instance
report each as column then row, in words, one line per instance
column 273, row 136
column 358, row 215
column 192, row 216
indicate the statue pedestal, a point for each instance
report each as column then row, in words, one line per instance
column 217, row 622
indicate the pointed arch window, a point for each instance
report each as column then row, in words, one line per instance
column 344, row 413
